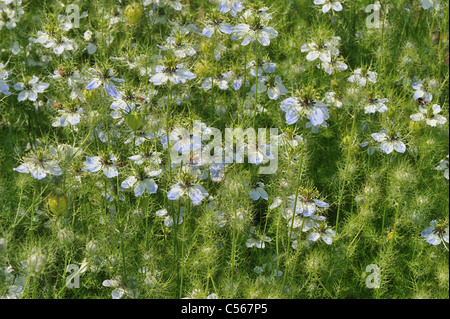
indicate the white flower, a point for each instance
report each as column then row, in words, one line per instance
column 103, row 78
column 331, row 97
column 315, row 111
column 232, row 6
column 323, row 52
column 262, row 66
column 67, row 117
column 443, row 166
column 195, row 192
column 430, row 4
column 107, row 164
column 431, row 116
column 271, row 84
column 376, row 105
column 221, row 81
column 141, row 183
column 120, row 288
column 329, row 4
column 39, row 165
column 360, row 78
column 255, row 240
column 335, row 63
column 389, row 142
column 435, row 233
column 179, row 49
column 30, row 90
column 423, row 89
column 263, row 34
column 323, row 232
column 214, row 26
column 257, row 191
column 177, row 74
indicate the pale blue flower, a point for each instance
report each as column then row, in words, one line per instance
column 328, row 5
column 435, row 234
column 389, row 142
column 257, row 191
column 141, row 183
column 430, row 115
column 105, row 163
column 105, row 79
column 376, row 105
column 30, row 90
column 38, row 165
column 194, row 191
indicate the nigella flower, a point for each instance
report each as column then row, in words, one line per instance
column 105, row 163
column 186, row 186
column 120, row 288
column 271, row 84
column 360, row 77
column 182, row 140
column 436, row 233
column 177, row 47
column 315, row 111
column 257, row 191
column 430, row 4
column 443, row 166
column 430, row 115
column 220, row 80
column 306, row 204
column 289, row 138
column 332, row 98
column 324, row 232
column 105, row 78
column 59, row 44
column 70, row 116
column 141, row 182
column 232, row 6
column 73, row 77
column 423, row 89
column 336, row 63
column 175, row 4
column 262, row 67
column 389, row 141
column 125, row 103
column 253, row 30
column 323, row 52
column 10, row 12
column 216, row 24
column 256, row 240
column 38, row 165
column 329, row 4
column 171, row 71
column 4, row 87
column 376, row 105
column 168, row 220
column 30, row 90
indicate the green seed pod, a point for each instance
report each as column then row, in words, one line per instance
column 134, row 120
column 58, row 204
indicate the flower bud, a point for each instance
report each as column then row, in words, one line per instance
column 36, row 262
column 92, row 247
